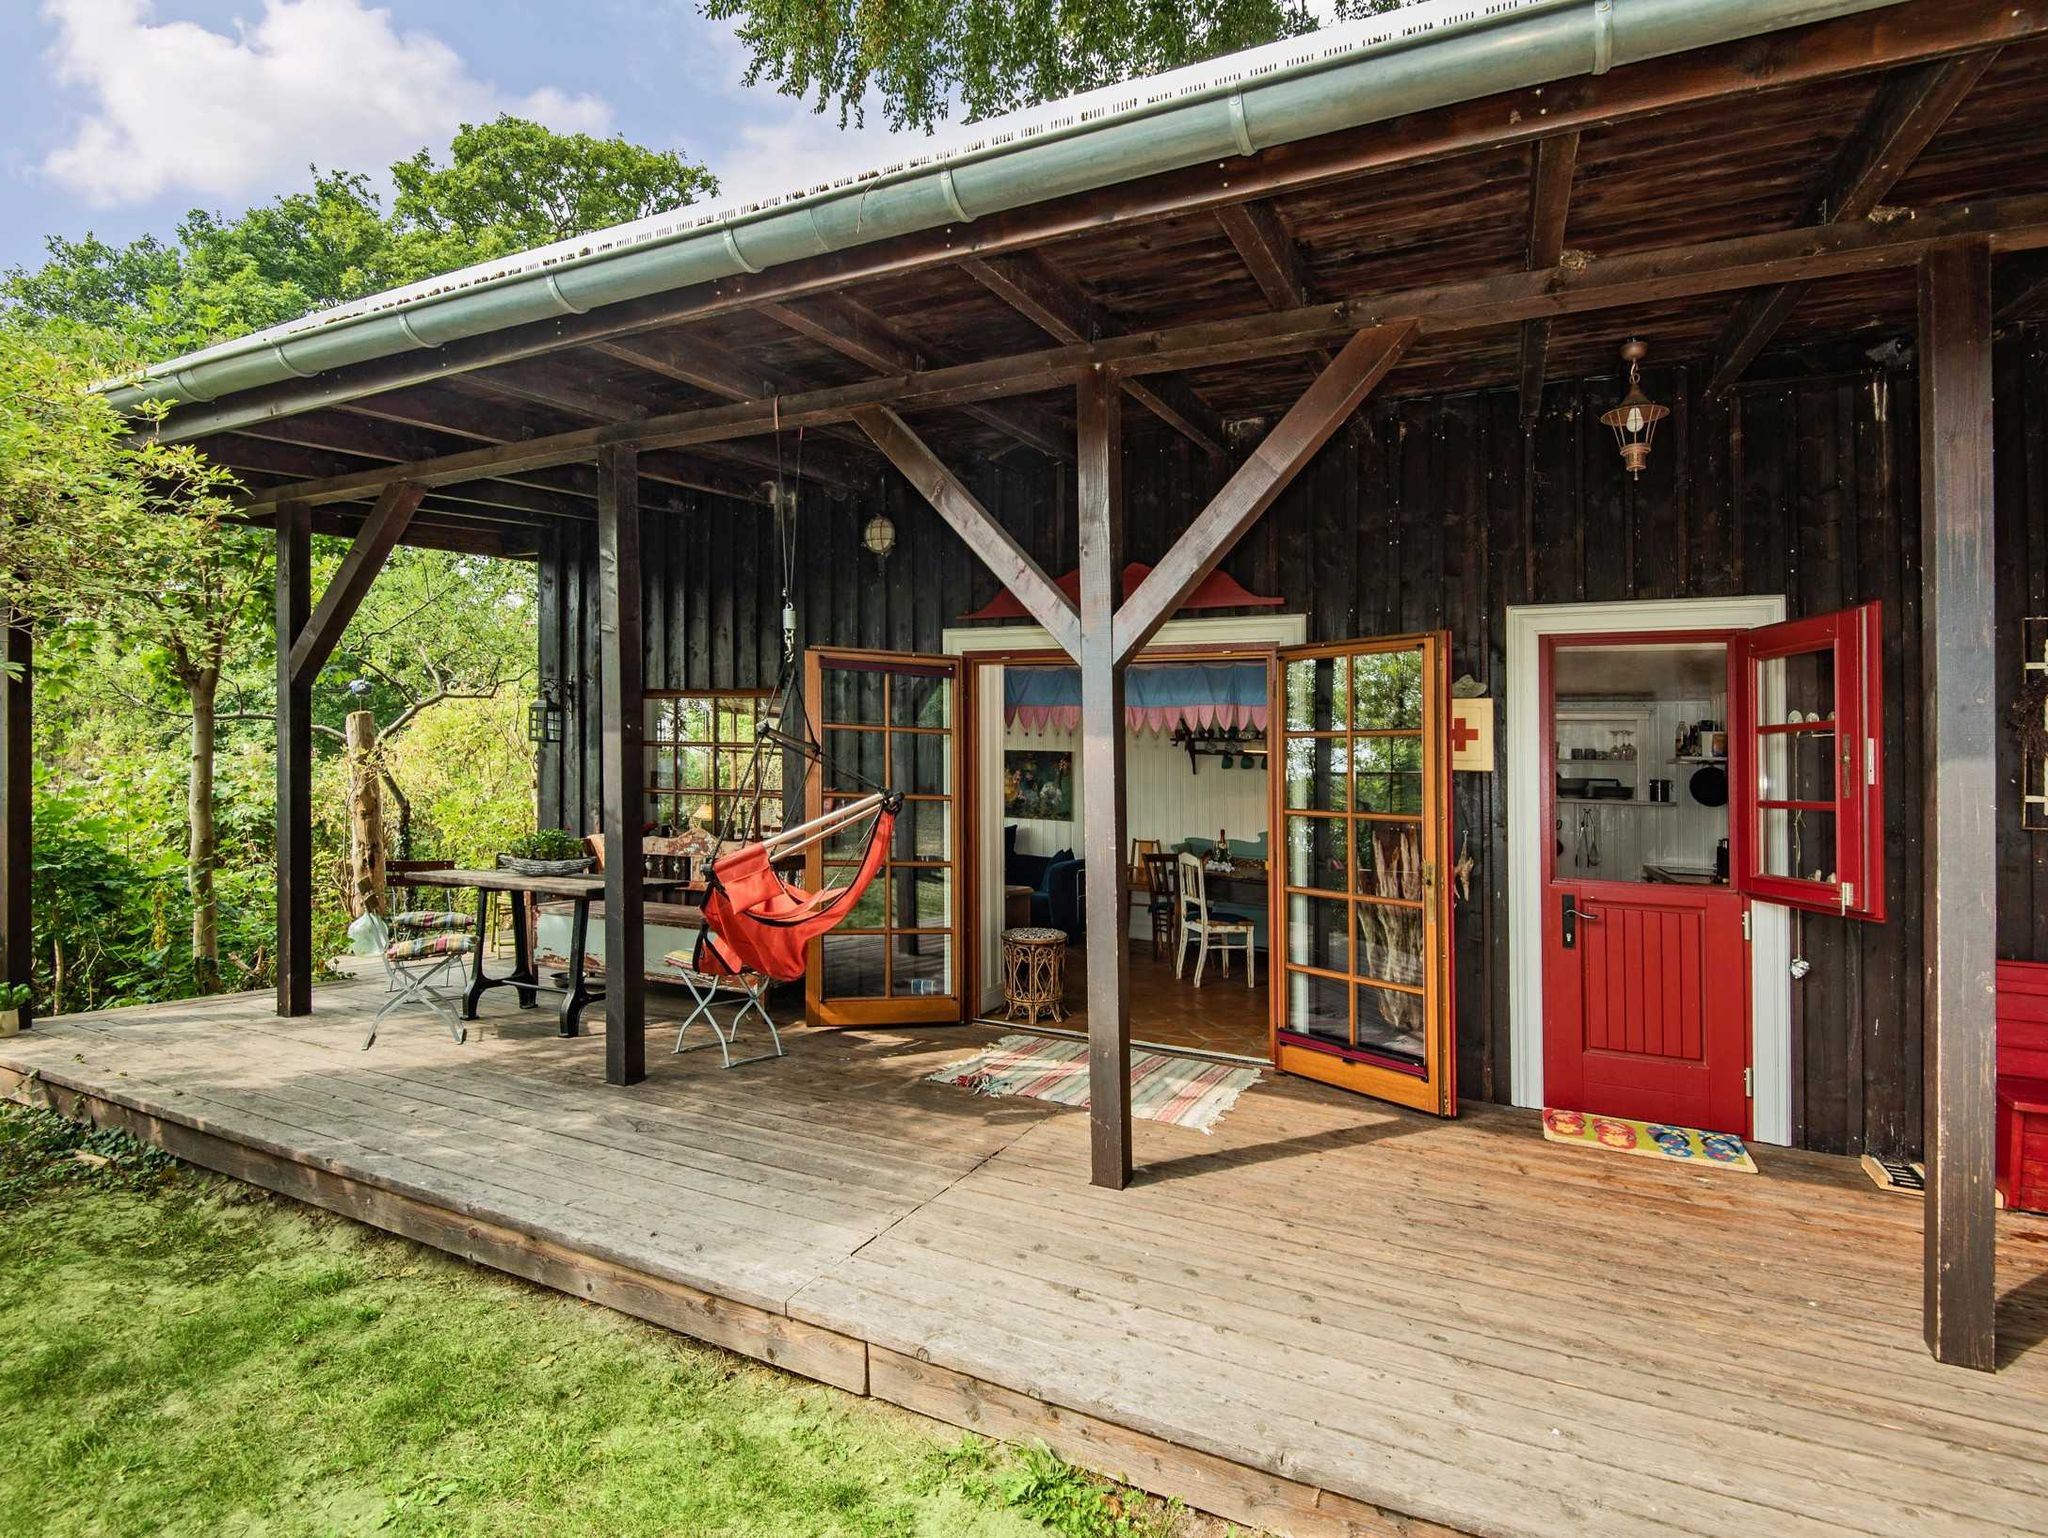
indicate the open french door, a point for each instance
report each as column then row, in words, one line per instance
column 889, row 720
column 1362, row 804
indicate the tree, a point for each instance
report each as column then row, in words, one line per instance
column 135, row 536
column 992, row 55
column 132, row 545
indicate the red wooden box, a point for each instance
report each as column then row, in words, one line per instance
column 2023, row 1084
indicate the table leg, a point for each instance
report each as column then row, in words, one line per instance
column 477, row 981
column 579, row 989
column 522, row 953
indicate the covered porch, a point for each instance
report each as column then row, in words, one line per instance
column 1330, row 1317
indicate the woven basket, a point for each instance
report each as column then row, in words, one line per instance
column 514, row 863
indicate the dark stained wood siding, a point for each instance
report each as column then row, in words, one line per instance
column 1439, row 511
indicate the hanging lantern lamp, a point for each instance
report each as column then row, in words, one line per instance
column 879, row 536
column 545, row 717
column 1635, row 420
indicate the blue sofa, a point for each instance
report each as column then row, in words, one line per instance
column 1057, row 882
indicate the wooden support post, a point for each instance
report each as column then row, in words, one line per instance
column 1555, row 162
column 1100, row 514
column 365, row 816
column 1960, row 861
column 624, row 794
column 17, row 792
column 294, row 767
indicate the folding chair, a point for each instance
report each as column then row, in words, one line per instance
column 425, row 955
column 751, row 990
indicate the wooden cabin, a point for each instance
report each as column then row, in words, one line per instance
column 1628, row 734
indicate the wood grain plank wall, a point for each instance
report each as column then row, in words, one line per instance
column 1440, row 511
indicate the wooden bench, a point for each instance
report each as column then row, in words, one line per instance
column 2022, row 1014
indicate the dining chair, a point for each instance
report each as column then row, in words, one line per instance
column 1142, row 849
column 1162, row 891
column 1197, row 923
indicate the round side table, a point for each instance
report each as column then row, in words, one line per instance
column 1034, row 974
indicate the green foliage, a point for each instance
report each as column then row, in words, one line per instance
column 991, row 56
column 42, row 1152
column 547, row 844
column 16, row 996
column 187, row 1356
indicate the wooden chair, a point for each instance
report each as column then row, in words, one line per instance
column 1142, row 851
column 1162, row 894
column 1207, row 929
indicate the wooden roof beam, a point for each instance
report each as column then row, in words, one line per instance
column 1324, row 407
column 381, row 532
column 1552, row 166
column 1270, row 256
column 2020, row 288
column 854, row 331
column 996, row 547
column 1909, row 109
column 1633, row 278
column 1053, row 302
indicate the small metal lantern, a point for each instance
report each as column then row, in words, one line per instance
column 546, row 721
column 1635, row 420
column 879, row 536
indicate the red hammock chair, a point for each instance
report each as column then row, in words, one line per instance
column 756, row 922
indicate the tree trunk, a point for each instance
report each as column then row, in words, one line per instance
column 202, row 846
column 365, row 817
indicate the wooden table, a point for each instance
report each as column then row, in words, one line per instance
column 580, row 890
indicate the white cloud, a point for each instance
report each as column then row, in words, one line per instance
column 179, row 108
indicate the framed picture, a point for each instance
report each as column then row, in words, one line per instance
column 1039, row 785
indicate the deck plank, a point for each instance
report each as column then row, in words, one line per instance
column 1330, row 1317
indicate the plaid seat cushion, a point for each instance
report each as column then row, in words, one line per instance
column 428, row 923
column 686, row 961
column 421, row 946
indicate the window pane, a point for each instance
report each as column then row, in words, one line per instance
column 1799, row 844
column 1389, row 860
column 1389, row 774
column 919, row 898
column 852, row 965
column 847, row 842
column 1392, row 1023
column 1316, row 777
column 1386, row 690
column 1800, row 688
column 921, row 965
column 853, row 695
column 853, row 760
column 691, row 720
column 924, row 831
column 1315, row 852
column 1318, row 694
column 922, row 765
column 1797, row 766
column 871, row 910
column 1319, row 1006
column 920, row 699
column 1390, row 943
column 1319, row 932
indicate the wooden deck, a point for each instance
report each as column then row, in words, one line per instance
column 1329, row 1317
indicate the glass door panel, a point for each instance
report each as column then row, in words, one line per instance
column 888, row 720
column 1364, row 815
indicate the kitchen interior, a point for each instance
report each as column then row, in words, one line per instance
column 1641, row 735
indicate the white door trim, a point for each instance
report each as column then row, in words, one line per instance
column 1527, row 763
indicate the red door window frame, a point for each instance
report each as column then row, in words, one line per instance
column 1851, row 639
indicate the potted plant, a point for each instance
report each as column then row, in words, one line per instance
column 14, row 1002
column 548, row 852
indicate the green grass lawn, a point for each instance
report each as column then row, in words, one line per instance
column 186, row 1355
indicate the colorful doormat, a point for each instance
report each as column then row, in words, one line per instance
column 1651, row 1139
column 1181, row 1090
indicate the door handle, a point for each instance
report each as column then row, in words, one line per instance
column 1572, row 915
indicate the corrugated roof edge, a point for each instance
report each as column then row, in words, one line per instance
column 1428, row 55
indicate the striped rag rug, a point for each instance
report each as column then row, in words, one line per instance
column 1183, row 1091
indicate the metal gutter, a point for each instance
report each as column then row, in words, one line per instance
column 1426, row 56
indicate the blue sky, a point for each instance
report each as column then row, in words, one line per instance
column 118, row 115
